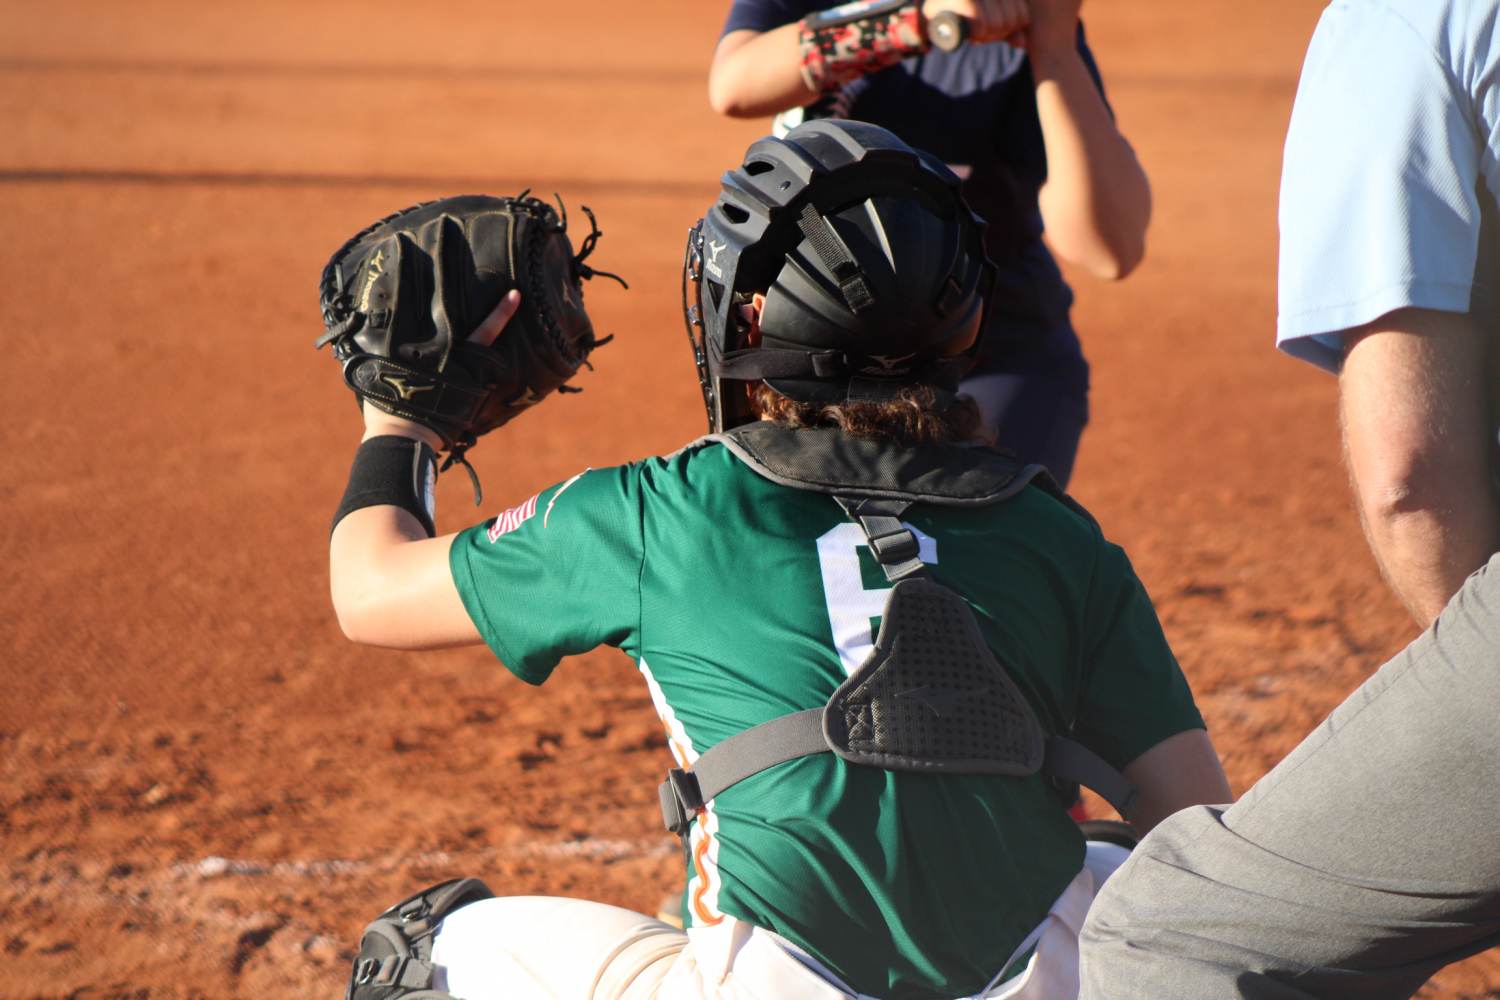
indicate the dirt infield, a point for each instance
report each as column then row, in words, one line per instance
column 204, row 790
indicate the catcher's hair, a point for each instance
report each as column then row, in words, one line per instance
column 914, row 419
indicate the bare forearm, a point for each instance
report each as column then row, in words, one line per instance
column 1416, row 440
column 757, row 74
column 1096, row 203
column 1178, row 772
column 1427, row 554
column 761, row 73
column 391, row 584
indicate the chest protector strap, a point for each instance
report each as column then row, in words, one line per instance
column 930, row 698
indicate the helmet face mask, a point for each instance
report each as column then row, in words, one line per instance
column 872, row 265
column 727, row 405
column 692, row 313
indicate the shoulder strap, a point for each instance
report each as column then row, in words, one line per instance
column 1069, row 760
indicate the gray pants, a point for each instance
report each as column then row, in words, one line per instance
column 1363, row 863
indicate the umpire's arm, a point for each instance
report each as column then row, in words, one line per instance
column 1417, row 442
column 392, row 585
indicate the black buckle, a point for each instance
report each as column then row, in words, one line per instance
column 680, row 800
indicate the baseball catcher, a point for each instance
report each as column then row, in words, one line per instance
column 886, row 653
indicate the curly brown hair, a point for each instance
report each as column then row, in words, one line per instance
column 915, row 419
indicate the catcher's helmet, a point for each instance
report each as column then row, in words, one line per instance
column 872, row 265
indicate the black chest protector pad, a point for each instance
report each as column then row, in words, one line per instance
column 931, row 697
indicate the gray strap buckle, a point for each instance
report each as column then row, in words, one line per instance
column 406, row 971
column 892, row 543
column 680, row 800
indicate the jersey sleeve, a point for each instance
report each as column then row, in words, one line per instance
column 1379, row 208
column 764, row 15
column 558, row 575
column 1134, row 693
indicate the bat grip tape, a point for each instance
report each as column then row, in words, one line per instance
column 393, row 471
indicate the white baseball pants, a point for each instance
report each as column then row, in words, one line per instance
column 551, row 948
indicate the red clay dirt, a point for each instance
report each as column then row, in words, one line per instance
column 206, row 790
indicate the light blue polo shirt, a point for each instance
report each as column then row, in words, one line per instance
column 1390, row 173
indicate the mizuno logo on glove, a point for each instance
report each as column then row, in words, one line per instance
column 404, row 388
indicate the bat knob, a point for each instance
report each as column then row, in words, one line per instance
column 947, row 30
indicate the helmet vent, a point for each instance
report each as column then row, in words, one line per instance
column 734, row 213
column 757, row 167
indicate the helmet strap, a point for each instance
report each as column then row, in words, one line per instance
column 875, row 390
column 830, row 250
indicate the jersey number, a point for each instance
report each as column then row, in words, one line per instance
column 852, row 609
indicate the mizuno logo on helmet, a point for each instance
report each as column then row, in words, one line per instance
column 714, row 248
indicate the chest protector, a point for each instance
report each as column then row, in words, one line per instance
column 931, row 697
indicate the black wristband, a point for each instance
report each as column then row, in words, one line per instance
column 393, row 471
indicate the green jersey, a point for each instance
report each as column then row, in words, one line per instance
column 742, row 600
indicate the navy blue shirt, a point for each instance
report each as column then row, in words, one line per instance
column 975, row 109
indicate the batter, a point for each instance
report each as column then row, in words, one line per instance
column 1019, row 113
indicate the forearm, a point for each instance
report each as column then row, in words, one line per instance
column 1178, row 772
column 391, row 584
column 763, row 73
column 1426, row 555
column 757, row 74
column 1416, row 441
column 1096, row 202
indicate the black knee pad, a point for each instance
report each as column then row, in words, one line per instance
column 395, row 954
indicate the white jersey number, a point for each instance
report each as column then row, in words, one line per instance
column 852, row 608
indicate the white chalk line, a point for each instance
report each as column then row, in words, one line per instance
column 592, row 849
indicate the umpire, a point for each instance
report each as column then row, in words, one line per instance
column 1020, row 115
column 885, row 655
column 1368, row 859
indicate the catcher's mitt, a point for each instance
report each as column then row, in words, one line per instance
column 401, row 298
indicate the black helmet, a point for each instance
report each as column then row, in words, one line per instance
column 872, row 265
